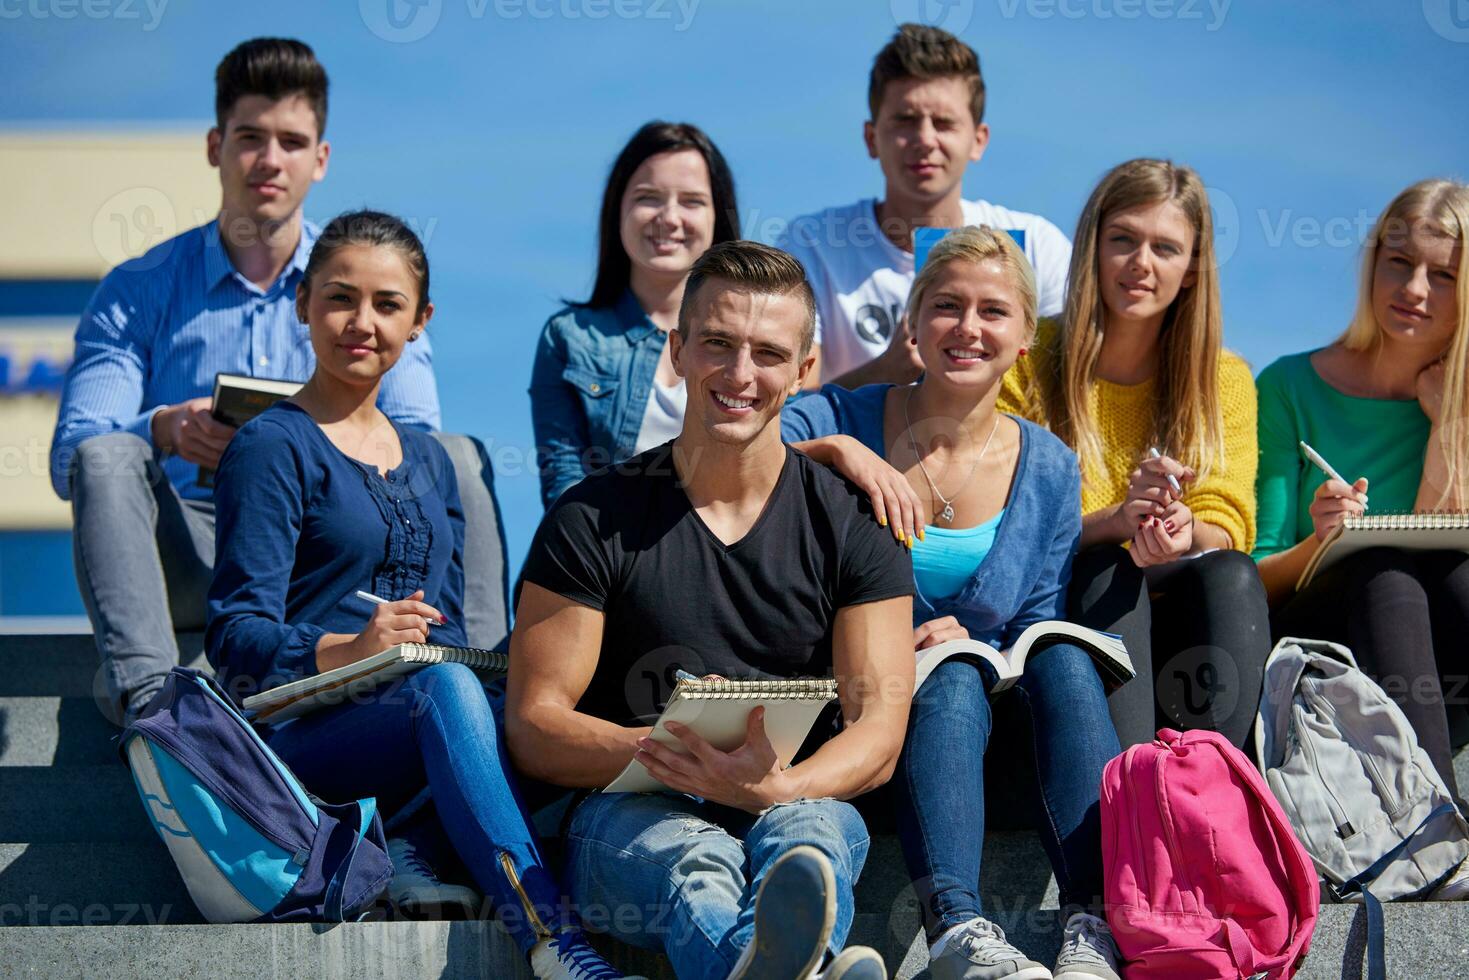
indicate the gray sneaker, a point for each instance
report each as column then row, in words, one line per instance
column 855, row 963
column 1088, row 951
column 795, row 911
column 979, row 951
column 417, row 893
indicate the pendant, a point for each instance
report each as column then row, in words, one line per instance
column 948, row 514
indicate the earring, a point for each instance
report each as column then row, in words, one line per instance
column 413, row 336
column 1024, row 351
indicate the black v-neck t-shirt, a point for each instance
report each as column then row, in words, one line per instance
column 627, row 541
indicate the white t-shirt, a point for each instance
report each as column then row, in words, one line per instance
column 663, row 418
column 861, row 279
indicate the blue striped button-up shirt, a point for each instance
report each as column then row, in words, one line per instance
column 161, row 326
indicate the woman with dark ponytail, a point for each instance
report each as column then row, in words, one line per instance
column 321, row 496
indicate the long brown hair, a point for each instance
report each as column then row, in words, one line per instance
column 1186, row 415
column 1443, row 205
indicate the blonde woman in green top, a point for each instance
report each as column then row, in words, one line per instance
column 1387, row 405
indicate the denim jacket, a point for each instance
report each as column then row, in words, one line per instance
column 1023, row 579
column 589, row 389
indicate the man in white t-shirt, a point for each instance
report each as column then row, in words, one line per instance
column 926, row 96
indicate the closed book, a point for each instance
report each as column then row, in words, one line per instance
column 239, row 398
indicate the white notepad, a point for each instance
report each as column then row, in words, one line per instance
column 1447, row 531
column 344, row 683
column 719, row 710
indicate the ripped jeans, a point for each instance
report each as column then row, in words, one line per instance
column 681, row 874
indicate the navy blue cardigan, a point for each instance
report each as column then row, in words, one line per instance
column 300, row 527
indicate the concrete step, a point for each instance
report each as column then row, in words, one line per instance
column 55, row 731
column 1426, row 942
column 65, row 665
column 111, row 884
column 71, row 804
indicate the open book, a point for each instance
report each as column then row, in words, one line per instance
column 719, row 710
column 1446, row 531
column 238, row 398
column 352, row 680
column 1107, row 649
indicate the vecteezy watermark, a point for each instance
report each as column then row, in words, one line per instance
column 130, row 223
column 1211, row 12
column 951, row 15
column 1448, row 18
column 405, row 21
column 149, row 12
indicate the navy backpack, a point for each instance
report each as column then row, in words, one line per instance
column 251, row 844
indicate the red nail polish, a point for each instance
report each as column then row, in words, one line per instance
column 1169, row 525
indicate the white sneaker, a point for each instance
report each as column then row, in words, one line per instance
column 855, row 963
column 1456, row 888
column 417, row 893
column 1088, row 951
column 795, row 910
column 977, row 950
column 569, row 956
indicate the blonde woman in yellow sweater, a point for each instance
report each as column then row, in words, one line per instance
column 1133, row 376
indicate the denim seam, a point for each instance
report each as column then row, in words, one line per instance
column 1059, row 864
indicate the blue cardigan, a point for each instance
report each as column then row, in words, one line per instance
column 1023, row 578
column 300, row 527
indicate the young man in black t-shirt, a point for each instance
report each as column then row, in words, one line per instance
column 722, row 552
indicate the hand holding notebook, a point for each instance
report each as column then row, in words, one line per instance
column 718, row 712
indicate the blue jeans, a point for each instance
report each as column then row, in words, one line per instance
column 434, row 727
column 682, row 874
column 1059, row 702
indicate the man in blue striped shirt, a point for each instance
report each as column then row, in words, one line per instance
column 135, row 422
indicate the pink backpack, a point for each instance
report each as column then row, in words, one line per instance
column 1204, row 876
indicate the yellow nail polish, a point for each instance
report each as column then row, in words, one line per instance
column 882, row 522
column 920, row 534
column 910, row 542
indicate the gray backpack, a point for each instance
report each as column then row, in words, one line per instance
column 1358, row 789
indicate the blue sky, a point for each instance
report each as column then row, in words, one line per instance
column 491, row 123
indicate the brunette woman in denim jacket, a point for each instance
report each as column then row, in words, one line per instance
column 990, row 505
column 602, row 388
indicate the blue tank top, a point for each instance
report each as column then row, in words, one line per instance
column 947, row 558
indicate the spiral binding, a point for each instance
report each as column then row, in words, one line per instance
column 433, row 653
column 1438, row 520
column 799, row 689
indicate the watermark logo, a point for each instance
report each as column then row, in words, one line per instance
column 131, row 222
column 401, row 21
column 1225, row 214
column 149, row 13
column 951, row 15
column 1211, row 13
column 1448, row 18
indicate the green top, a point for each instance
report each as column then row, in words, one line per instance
column 1380, row 438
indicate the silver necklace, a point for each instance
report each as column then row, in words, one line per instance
column 947, row 514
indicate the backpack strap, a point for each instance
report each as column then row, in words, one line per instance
column 333, row 900
column 1375, row 954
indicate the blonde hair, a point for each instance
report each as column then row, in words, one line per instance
column 1187, row 419
column 1442, row 205
column 976, row 243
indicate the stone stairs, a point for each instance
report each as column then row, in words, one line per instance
column 87, row 889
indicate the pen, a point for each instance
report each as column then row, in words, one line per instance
column 378, row 600
column 1172, row 480
column 1324, row 466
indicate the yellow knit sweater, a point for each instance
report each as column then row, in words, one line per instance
column 1225, row 498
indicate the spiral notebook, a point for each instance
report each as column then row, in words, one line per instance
column 718, row 710
column 1445, row 531
column 352, row 680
